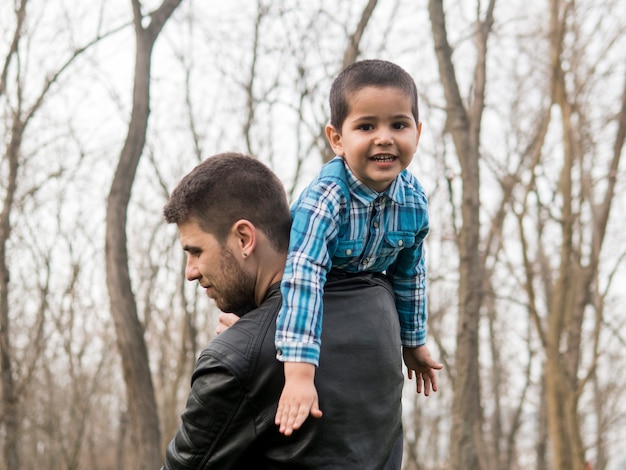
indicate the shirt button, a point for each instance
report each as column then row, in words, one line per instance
column 365, row 261
column 376, row 224
column 348, row 252
column 400, row 243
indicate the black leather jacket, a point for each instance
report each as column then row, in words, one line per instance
column 229, row 419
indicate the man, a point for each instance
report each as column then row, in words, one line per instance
column 234, row 222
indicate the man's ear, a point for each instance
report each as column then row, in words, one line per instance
column 334, row 139
column 244, row 233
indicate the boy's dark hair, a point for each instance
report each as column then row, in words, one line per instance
column 226, row 188
column 376, row 73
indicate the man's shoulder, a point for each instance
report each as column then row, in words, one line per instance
column 240, row 347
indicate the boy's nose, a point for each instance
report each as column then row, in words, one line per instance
column 383, row 137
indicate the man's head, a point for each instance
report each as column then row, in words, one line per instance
column 234, row 221
column 368, row 73
column 226, row 188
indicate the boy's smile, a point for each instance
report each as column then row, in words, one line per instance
column 378, row 137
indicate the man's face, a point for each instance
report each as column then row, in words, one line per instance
column 216, row 269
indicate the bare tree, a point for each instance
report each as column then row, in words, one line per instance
column 142, row 408
column 20, row 107
column 464, row 124
column 539, row 130
column 579, row 264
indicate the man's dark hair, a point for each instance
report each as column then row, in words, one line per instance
column 376, row 73
column 226, row 188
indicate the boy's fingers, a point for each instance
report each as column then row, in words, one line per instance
column 315, row 409
column 427, row 384
column 433, row 381
column 285, row 421
column 291, row 418
column 295, row 418
column 279, row 413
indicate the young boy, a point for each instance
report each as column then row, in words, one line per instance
column 364, row 212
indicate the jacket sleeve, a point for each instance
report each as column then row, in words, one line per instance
column 215, row 398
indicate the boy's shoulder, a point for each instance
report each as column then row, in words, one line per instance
column 331, row 177
column 335, row 168
column 328, row 189
column 407, row 178
column 410, row 183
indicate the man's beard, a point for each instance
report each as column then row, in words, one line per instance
column 237, row 295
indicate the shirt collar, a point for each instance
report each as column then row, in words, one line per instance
column 366, row 194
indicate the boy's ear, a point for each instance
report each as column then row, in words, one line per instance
column 334, row 139
column 419, row 132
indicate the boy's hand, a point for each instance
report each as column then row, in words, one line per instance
column 226, row 320
column 299, row 397
column 419, row 360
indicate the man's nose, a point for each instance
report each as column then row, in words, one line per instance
column 191, row 270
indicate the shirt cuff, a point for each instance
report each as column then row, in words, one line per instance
column 413, row 339
column 287, row 351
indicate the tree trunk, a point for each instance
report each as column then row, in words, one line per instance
column 9, row 410
column 9, row 396
column 577, row 273
column 464, row 126
column 142, row 408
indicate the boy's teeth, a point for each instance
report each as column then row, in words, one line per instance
column 383, row 158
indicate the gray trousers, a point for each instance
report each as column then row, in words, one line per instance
column 361, row 368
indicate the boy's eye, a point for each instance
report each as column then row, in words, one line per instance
column 399, row 125
column 366, row 127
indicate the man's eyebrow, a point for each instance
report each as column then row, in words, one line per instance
column 190, row 248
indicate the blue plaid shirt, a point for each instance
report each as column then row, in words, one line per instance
column 339, row 222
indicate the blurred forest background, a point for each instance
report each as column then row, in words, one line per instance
column 106, row 104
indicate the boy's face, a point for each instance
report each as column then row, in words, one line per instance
column 378, row 137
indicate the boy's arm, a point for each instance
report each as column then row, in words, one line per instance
column 408, row 276
column 313, row 231
column 299, row 323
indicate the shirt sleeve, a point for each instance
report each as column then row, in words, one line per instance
column 408, row 277
column 313, row 235
column 215, row 397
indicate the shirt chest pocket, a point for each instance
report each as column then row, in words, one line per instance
column 393, row 243
column 349, row 249
column 377, row 257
